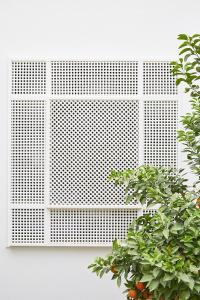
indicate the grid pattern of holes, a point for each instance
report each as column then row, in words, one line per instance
column 160, row 127
column 149, row 211
column 88, row 139
column 27, row 226
column 28, row 77
column 91, row 78
column 158, row 79
column 90, row 226
column 27, row 151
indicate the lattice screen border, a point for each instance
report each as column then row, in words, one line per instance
column 70, row 123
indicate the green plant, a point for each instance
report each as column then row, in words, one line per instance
column 160, row 258
column 161, row 250
column 187, row 70
column 149, row 184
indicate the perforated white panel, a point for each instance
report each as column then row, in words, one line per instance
column 88, row 139
column 27, row 226
column 71, row 122
column 160, row 126
column 28, row 77
column 91, row 227
column 27, row 151
column 158, row 79
column 97, row 77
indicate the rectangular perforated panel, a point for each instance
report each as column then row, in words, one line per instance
column 27, row 226
column 94, row 78
column 91, row 227
column 88, row 139
column 160, row 126
column 158, row 79
column 27, row 151
column 28, row 77
column 71, row 122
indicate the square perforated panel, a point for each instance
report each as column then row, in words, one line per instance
column 71, row 122
column 94, row 78
column 88, row 139
column 160, row 138
column 91, row 227
column 27, row 226
column 158, row 79
column 28, row 77
column 27, row 151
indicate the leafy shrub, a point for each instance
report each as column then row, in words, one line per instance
column 161, row 256
column 187, row 70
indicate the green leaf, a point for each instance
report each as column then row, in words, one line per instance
column 196, row 35
column 179, row 80
column 184, row 295
column 177, row 227
column 183, row 45
column 197, row 287
column 168, row 277
column 184, row 277
column 146, row 278
column 166, row 233
column 186, row 57
column 119, row 281
column 182, row 37
column 101, row 273
column 116, row 244
column 191, row 284
column 153, row 285
column 156, row 272
column 194, row 269
column 185, row 50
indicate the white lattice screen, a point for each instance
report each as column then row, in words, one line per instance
column 101, row 135
column 71, row 122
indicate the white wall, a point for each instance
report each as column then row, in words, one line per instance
column 75, row 29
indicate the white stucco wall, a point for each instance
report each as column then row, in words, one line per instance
column 75, row 29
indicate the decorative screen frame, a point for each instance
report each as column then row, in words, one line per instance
column 41, row 233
